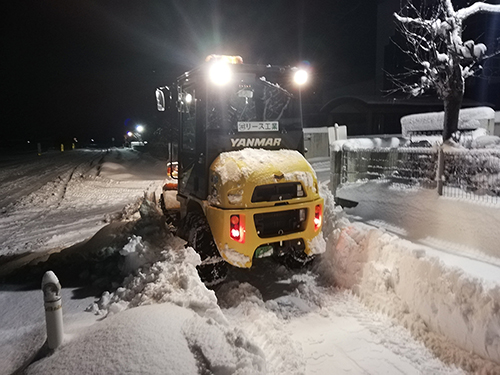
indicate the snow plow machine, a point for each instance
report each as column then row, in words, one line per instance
column 243, row 187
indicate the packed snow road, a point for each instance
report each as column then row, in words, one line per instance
column 17, row 172
column 56, row 200
column 158, row 317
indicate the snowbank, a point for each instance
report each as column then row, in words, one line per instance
column 170, row 340
column 431, row 299
column 109, row 346
column 178, row 328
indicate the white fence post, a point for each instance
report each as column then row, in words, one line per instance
column 53, row 309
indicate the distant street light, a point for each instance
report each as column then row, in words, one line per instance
column 130, row 134
column 139, row 128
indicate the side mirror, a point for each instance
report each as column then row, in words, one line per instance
column 163, row 98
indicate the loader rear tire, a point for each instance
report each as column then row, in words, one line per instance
column 213, row 268
column 171, row 215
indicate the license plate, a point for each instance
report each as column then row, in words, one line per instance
column 258, row 126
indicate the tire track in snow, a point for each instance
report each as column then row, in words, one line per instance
column 29, row 174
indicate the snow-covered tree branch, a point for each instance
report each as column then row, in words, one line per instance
column 442, row 59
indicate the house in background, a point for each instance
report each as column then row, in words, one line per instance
column 364, row 104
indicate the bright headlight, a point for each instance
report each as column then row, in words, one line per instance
column 300, row 77
column 220, row 73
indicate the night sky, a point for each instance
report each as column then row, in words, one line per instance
column 89, row 68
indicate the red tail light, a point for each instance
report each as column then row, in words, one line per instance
column 318, row 216
column 237, row 228
column 172, row 169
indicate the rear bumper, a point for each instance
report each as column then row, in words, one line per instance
column 240, row 254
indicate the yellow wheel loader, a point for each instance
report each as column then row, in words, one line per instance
column 244, row 188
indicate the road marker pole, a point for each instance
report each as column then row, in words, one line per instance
column 53, row 309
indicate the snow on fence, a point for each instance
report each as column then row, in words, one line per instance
column 468, row 174
column 473, row 174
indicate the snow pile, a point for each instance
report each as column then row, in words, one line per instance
column 173, row 278
column 244, row 307
column 430, row 299
column 408, row 282
column 109, row 346
column 176, row 321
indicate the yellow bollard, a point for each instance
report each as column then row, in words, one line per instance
column 62, row 147
column 72, row 146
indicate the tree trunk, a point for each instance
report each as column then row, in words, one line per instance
column 452, row 105
column 453, row 102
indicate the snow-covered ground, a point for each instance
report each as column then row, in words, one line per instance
column 448, row 276
column 373, row 303
column 56, row 200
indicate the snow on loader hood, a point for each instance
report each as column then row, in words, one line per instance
column 232, row 170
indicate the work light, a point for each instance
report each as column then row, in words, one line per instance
column 220, row 73
column 300, row 77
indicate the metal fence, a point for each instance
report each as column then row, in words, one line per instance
column 468, row 174
column 473, row 174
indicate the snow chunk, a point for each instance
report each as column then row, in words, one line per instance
column 317, row 244
column 442, row 57
column 234, row 257
column 134, row 253
column 306, row 178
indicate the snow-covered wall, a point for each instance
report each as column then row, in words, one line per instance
column 469, row 119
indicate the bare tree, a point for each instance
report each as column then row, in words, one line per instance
column 443, row 60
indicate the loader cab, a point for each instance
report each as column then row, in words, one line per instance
column 224, row 106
